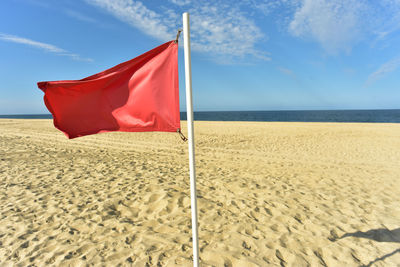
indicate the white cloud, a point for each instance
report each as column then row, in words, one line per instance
column 336, row 24
column 40, row 45
column 137, row 15
column 222, row 30
column 21, row 40
column 180, row 2
column 216, row 28
column 267, row 7
column 383, row 70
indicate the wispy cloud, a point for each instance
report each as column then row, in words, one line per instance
column 286, row 71
column 338, row 25
column 180, row 2
column 267, row 7
column 227, row 30
column 69, row 8
column 291, row 74
column 220, row 29
column 383, row 70
column 21, row 40
column 335, row 24
column 389, row 23
column 79, row 16
column 217, row 28
column 46, row 47
column 137, row 15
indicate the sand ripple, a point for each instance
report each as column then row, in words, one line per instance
column 269, row 194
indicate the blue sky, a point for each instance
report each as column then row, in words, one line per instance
column 246, row 55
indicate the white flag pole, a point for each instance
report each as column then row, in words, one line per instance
column 189, row 111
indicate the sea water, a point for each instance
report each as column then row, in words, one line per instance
column 384, row 115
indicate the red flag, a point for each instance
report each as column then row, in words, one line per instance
column 139, row 95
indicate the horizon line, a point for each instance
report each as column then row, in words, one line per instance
column 254, row 110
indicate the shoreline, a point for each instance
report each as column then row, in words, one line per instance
column 364, row 116
column 183, row 122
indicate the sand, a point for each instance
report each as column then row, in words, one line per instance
column 269, row 194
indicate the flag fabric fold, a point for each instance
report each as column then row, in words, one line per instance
column 139, row 95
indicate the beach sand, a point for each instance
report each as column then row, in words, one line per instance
column 269, row 194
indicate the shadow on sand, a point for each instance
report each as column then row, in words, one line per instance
column 382, row 258
column 380, row 235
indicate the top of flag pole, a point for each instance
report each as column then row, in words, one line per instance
column 177, row 35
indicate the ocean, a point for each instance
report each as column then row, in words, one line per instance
column 384, row 115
